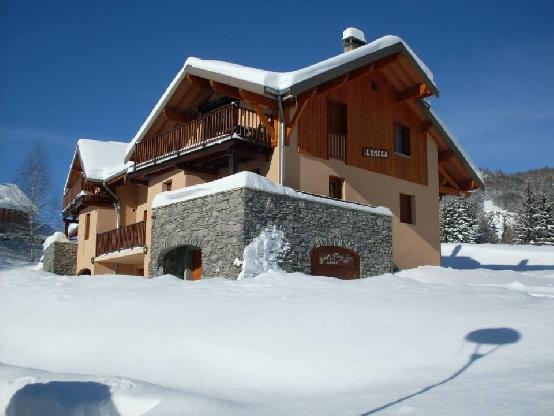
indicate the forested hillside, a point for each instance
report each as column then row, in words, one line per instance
column 505, row 189
column 513, row 208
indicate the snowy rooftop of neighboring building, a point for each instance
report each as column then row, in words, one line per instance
column 12, row 197
column 101, row 160
column 292, row 82
column 253, row 181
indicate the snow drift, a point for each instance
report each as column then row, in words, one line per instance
column 429, row 341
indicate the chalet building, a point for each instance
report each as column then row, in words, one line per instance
column 335, row 139
column 15, row 207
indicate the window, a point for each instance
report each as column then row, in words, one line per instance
column 144, row 215
column 167, row 185
column 87, row 226
column 407, row 205
column 335, row 187
column 336, row 117
column 402, row 140
column 336, row 130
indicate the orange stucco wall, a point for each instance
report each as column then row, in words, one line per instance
column 413, row 244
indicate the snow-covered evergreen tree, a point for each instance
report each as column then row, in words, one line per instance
column 507, row 235
column 458, row 221
column 527, row 228
column 486, row 229
column 545, row 219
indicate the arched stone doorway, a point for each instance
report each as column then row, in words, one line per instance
column 84, row 272
column 185, row 262
column 335, row 261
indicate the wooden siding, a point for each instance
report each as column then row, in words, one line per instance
column 371, row 119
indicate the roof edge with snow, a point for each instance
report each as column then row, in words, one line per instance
column 453, row 143
column 101, row 160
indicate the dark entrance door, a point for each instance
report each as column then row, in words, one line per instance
column 335, row 262
column 185, row 262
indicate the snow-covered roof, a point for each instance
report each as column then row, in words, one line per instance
column 57, row 237
column 293, row 82
column 12, row 197
column 101, row 160
column 453, row 143
column 254, row 181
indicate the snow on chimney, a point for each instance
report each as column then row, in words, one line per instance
column 352, row 38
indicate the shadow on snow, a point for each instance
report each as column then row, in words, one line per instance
column 468, row 263
column 496, row 337
column 68, row 398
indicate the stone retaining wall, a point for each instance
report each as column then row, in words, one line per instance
column 60, row 258
column 223, row 224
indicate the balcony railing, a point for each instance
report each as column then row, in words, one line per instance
column 130, row 236
column 337, row 145
column 81, row 185
column 225, row 121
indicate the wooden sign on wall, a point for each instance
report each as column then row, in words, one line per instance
column 378, row 153
column 335, row 262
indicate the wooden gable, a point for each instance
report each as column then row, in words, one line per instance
column 373, row 108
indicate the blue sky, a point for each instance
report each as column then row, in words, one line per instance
column 95, row 69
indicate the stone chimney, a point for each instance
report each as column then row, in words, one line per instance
column 352, row 38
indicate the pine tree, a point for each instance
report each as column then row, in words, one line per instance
column 507, row 236
column 545, row 219
column 486, row 229
column 458, row 221
column 526, row 229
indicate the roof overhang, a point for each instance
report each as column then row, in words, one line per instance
column 360, row 62
column 286, row 83
column 452, row 142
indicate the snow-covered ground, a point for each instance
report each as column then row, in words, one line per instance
column 427, row 341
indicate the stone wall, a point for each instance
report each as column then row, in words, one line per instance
column 213, row 223
column 309, row 224
column 60, row 258
column 222, row 224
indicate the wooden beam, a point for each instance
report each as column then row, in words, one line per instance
column 469, row 185
column 301, row 105
column 246, row 154
column 445, row 155
column 381, row 63
column 197, row 168
column 258, row 99
column 445, row 174
column 358, row 73
column 264, row 120
column 224, row 89
column 233, row 166
column 198, row 81
column 172, row 114
column 426, row 126
column 413, row 93
column 334, row 83
column 448, row 191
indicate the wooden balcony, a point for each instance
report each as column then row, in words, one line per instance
column 337, row 145
column 130, row 236
column 230, row 121
column 80, row 188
